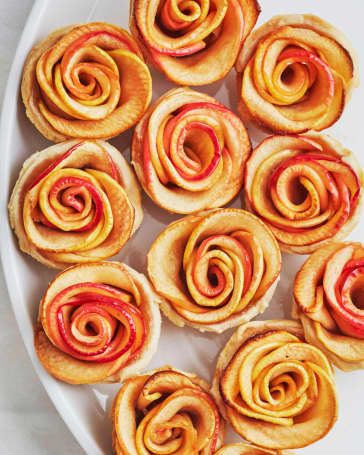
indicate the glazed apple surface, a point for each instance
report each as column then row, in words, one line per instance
column 74, row 202
column 307, row 188
column 276, row 390
column 215, row 270
column 194, row 42
column 97, row 323
column 295, row 74
column 189, row 152
column 86, row 81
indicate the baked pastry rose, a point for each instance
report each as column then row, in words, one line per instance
column 166, row 412
column 77, row 201
column 248, row 449
column 215, row 270
column 308, row 189
column 295, row 73
column 192, row 42
column 98, row 322
column 277, row 391
column 189, row 152
column 329, row 301
column 85, row 81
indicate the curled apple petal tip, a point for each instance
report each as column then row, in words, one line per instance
column 307, row 188
column 192, row 42
column 97, row 323
column 276, row 390
column 215, row 270
column 77, row 201
column 248, row 449
column 189, row 152
column 86, row 81
column 295, row 73
column 166, row 411
column 329, row 299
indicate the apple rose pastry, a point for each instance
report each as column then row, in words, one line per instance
column 247, row 449
column 98, row 322
column 85, row 81
column 276, row 390
column 193, row 42
column 329, row 298
column 215, row 270
column 166, row 412
column 77, row 201
column 295, row 73
column 189, row 152
column 308, row 189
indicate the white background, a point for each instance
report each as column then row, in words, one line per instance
column 29, row 423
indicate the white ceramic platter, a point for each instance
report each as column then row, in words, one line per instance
column 85, row 408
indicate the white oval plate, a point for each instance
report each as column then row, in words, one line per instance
column 85, row 408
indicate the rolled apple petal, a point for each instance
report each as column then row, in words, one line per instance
column 277, row 391
column 189, row 152
column 75, row 202
column 215, row 270
column 166, row 411
column 329, row 299
column 192, row 42
column 295, row 73
column 307, row 188
column 86, row 81
column 97, row 323
column 248, row 449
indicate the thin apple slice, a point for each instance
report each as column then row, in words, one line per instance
column 246, row 449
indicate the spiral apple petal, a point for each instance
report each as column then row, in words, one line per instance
column 329, row 301
column 88, row 81
column 277, row 391
column 295, row 74
column 215, row 270
column 308, row 189
column 189, row 152
column 75, row 202
column 177, row 415
column 98, row 322
column 192, row 42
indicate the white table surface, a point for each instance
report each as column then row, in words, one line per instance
column 29, row 423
